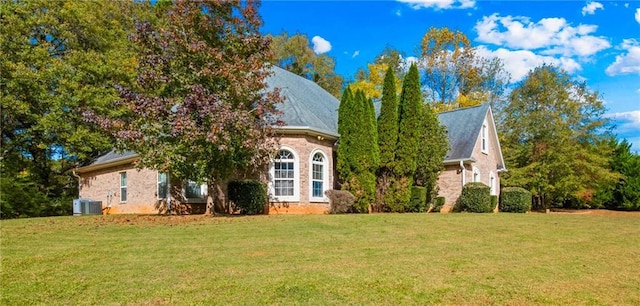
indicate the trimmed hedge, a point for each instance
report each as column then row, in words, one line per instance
column 418, row 199
column 340, row 201
column 515, row 199
column 475, row 197
column 248, row 196
column 494, row 201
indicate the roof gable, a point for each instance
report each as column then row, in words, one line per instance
column 463, row 128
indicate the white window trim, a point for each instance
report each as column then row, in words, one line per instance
column 203, row 193
column 325, row 176
column 296, row 177
column 475, row 176
column 492, row 183
column 158, row 185
column 484, row 142
column 123, row 186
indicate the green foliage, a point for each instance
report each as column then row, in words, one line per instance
column 431, row 153
column 625, row 193
column 398, row 194
column 388, row 122
column 438, row 203
column 356, row 160
column 340, row 201
column 294, row 54
column 409, row 116
column 59, row 58
column 494, row 201
column 476, row 198
column 248, row 196
column 199, row 109
column 559, row 160
column 418, row 199
column 515, row 199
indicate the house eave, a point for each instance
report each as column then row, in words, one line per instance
column 108, row 164
column 306, row 130
column 468, row 161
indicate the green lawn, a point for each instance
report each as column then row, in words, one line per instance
column 330, row 259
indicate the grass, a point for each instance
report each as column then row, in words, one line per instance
column 332, row 259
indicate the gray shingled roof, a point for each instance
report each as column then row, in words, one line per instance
column 306, row 104
column 463, row 127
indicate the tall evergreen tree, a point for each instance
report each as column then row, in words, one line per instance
column 387, row 139
column 431, row 152
column 346, row 126
column 409, row 115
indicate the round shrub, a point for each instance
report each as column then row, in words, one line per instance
column 475, row 197
column 515, row 199
column 248, row 196
column 340, row 201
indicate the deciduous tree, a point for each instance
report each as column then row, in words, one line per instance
column 200, row 110
column 550, row 130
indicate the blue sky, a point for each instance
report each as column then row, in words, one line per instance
column 595, row 41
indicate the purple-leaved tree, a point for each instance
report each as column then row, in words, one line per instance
column 200, row 109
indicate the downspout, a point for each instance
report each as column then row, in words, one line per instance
column 168, row 178
column 464, row 175
column 78, row 177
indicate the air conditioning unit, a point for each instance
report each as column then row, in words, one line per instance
column 86, row 207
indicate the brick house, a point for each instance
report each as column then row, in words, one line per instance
column 304, row 165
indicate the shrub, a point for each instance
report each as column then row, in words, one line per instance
column 248, row 196
column 438, row 203
column 340, row 201
column 515, row 199
column 475, row 197
column 494, row 202
column 418, row 199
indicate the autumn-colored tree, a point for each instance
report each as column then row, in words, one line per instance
column 371, row 80
column 455, row 75
column 549, row 131
column 294, row 54
column 57, row 57
column 200, row 111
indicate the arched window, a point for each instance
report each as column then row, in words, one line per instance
column 284, row 176
column 319, row 176
column 476, row 174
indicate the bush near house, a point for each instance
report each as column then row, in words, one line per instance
column 340, row 201
column 438, row 202
column 248, row 196
column 515, row 199
column 475, row 197
column 418, row 199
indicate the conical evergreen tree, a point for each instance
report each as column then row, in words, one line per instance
column 388, row 122
column 434, row 145
column 346, row 130
column 409, row 114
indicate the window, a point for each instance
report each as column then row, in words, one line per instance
column 284, row 176
column 485, row 138
column 123, row 186
column 162, row 185
column 476, row 174
column 192, row 190
column 318, row 177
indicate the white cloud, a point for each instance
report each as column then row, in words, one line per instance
column 627, row 126
column 628, row 62
column 549, row 35
column 399, row 13
column 356, row 53
column 519, row 62
column 320, row 45
column 637, row 15
column 591, row 8
column 439, row 4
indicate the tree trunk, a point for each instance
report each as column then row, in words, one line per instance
column 216, row 199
